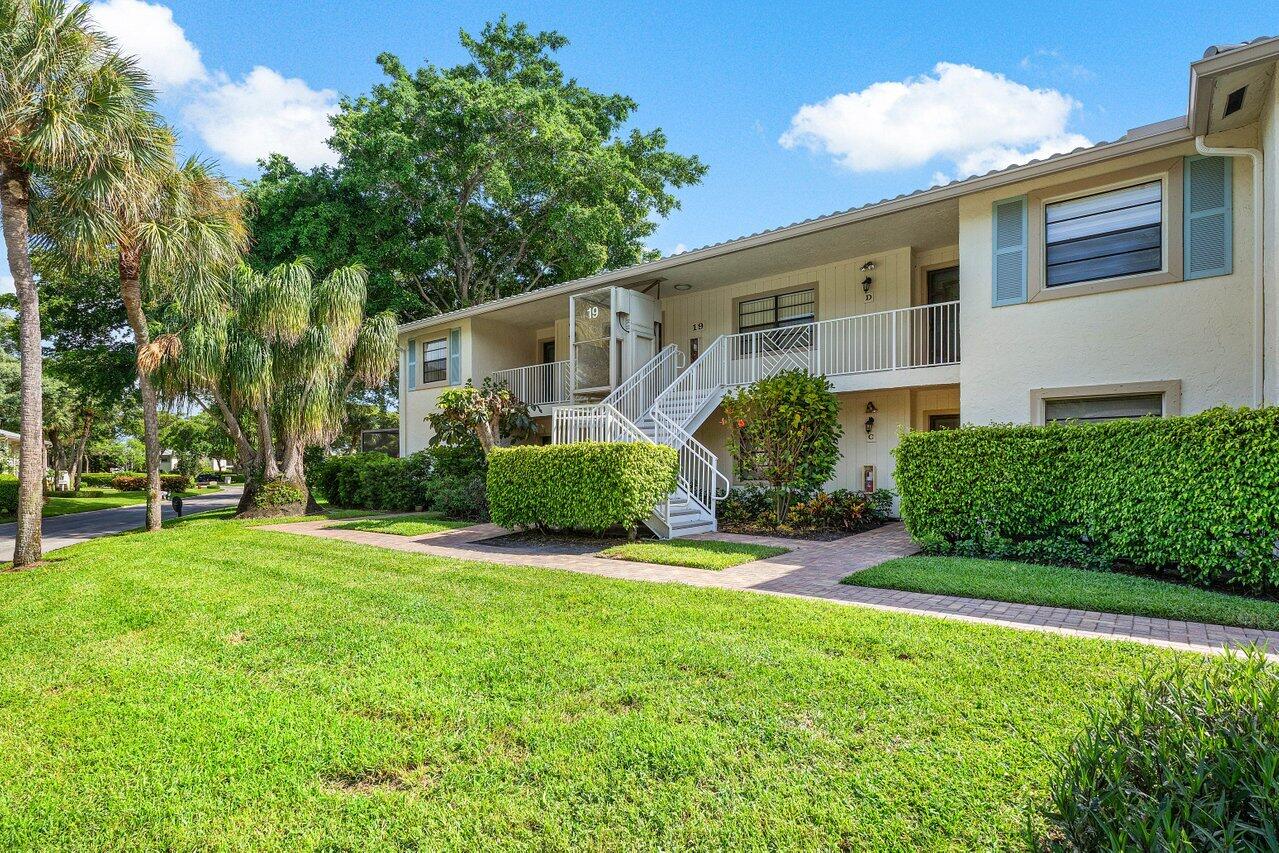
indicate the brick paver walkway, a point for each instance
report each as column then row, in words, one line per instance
column 814, row 570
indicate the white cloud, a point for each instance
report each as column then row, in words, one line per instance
column 264, row 113
column 679, row 249
column 976, row 119
column 148, row 31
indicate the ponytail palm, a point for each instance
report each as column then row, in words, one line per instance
column 68, row 101
column 278, row 361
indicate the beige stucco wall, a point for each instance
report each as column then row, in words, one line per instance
column 839, row 294
column 1270, row 150
column 898, row 410
column 1198, row 332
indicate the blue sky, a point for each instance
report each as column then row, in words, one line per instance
column 798, row 113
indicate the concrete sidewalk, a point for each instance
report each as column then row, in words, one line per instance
column 63, row 530
column 814, row 570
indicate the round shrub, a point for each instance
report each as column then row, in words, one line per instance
column 1187, row 760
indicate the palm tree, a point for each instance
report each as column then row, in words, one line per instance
column 276, row 364
column 66, row 97
column 180, row 227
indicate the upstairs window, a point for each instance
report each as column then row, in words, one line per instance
column 774, row 312
column 1104, row 236
column 435, row 360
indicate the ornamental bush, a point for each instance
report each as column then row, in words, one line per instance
column 1182, row 761
column 784, row 430
column 129, row 482
column 1198, row 495
column 587, row 486
column 138, row 482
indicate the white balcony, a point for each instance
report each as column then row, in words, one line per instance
column 538, row 385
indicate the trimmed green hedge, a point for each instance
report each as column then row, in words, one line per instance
column 102, row 479
column 138, row 482
column 589, row 486
column 8, row 495
column 449, row 480
column 1196, row 495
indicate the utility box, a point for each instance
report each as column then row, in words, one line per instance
column 612, row 333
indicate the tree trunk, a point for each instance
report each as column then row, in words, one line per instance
column 15, row 186
column 81, row 445
column 131, row 294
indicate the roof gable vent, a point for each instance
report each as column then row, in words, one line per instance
column 1234, row 101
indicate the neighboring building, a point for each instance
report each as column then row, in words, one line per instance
column 1135, row 277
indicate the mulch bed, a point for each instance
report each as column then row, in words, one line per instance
column 815, row 535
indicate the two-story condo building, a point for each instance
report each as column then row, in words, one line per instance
column 1135, row 277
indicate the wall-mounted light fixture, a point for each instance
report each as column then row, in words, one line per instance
column 870, row 425
column 866, row 283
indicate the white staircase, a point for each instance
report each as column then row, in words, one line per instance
column 663, row 404
column 629, row 414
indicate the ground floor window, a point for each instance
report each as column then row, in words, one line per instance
column 936, row 422
column 1100, row 409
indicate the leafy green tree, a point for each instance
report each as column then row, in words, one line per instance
column 785, row 431
column 276, row 363
column 68, row 101
column 194, row 439
column 316, row 215
column 500, row 176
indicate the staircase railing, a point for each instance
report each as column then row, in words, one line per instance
column 705, row 378
column 593, row 422
column 923, row 336
column 699, row 473
column 633, row 397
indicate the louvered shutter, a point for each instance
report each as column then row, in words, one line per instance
column 1207, row 237
column 411, row 361
column 455, row 356
column 1008, row 267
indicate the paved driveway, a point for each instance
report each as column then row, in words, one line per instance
column 63, row 530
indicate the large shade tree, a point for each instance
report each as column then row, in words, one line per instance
column 178, row 229
column 68, row 101
column 275, row 362
column 497, row 176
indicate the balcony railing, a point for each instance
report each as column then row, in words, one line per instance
column 923, row 336
column 537, row 384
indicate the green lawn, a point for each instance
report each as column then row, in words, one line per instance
column 693, row 554
column 418, row 524
column 1002, row 580
column 215, row 684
